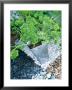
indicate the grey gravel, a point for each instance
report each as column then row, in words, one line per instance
column 29, row 63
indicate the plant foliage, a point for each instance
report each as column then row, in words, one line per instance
column 35, row 26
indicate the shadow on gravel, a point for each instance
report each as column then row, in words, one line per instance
column 23, row 67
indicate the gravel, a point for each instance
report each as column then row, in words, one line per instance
column 24, row 67
column 43, row 54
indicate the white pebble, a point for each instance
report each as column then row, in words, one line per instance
column 48, row 75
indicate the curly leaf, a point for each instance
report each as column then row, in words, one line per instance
column 14, row 53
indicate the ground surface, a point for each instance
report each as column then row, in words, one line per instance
column 25, row 68
column 55, row 68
